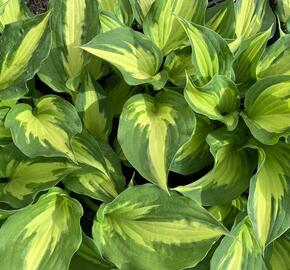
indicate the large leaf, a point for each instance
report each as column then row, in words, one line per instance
column 210, row 53
column 231, row 173
column 151, row 130
column 144, row 228
column 218, row 100
column 12, row 11
column 88, row 257
column 276, row 59
column 239, row 250
column 221, row 18
column 35, row 237
column 280, row 250
column 22, row 178
column 267, row 109
column 163, row 13
column 100, row 175
column 45, row 130
column 94, row 108
column 269, row 198
column 73, row 23
column 132, row 53
column 21, row 54
column 194, row 155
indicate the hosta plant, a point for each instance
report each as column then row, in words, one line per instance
column 145, row 135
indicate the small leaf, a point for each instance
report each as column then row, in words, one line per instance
column 45, row 130
column 151, row 130
column 141, row 8
column 47, row 229
column 153, row 225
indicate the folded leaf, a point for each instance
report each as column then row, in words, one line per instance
column 100, row 175
column 282, row 9
column 12, row 11
column 194, row 155
column 153, row 225
column 269, row 196
column 109, row 21
column 221, row 18
column 94, row 108
column 210, row 53
column 140, row 8
column 163, row 13
column 231, row 173
column 239, row 250
column 218, row 100
column 132, row 53
column 22, row 177
column 45, row 130
column 276, row 59
column 35, row 237
column 88, row 257
column 267, row 109
column 177, row 64
column 21, row 55
column 73, row 23
column 151, row 130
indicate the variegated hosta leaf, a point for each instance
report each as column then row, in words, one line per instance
column 221, row 18
column 21, row 55
column 276, row 59
column 247, row 57
column 94, row 108
column 100, row 175
column 177, row 64
column 118, row 92
column 88, row 257
column 153, row 225
column 239, row 250
column 151, row 130
column 5, row 213
column 218, row 100
column 45, row 130
column 141, row 8
column 280, row 250
column 269, row 199
column 12, row 11
column 231, row 173
column 282, row 9
column 22, row 178
column 121, row 8
column 194, row 155
column 267, row 109
column 210, row 53
column 73, row 23
column 132, row 53
column 109, row 21
column 34, row 237
column 162, row 26
column 252, row 17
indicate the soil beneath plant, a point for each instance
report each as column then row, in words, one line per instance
column 37, row 6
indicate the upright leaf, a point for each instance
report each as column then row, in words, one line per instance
column 152, row 224
column 45, row 130
column 151, row 130
column 73, row 23
column 22, row 177
column 267, row 109
column 141, row 8
column 163, row 13
column 239, row 250
column 210, row 53
column 231, row 173
column 109, row 21
column 94, row 108
column 269, row 199
column 23, row 47
column 218, row 100
column 132, row 53
column 35, row 237
column 282, row 9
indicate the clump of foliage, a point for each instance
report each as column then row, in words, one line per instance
column 142, row 134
